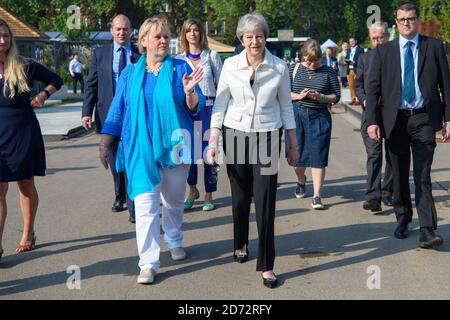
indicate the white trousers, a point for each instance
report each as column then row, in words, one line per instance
column 171, row 191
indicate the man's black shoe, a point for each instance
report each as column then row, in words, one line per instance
column 131, row 219
column 372, row 205
column 387, row 200
column 117, row 206
column 401, row 232
column 428, row 239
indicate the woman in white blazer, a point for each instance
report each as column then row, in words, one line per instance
column 252, row 106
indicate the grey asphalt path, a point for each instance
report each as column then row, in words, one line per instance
column 320, row 254
column 59, row 120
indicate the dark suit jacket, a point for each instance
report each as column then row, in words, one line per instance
column 360, row 85
column 385, row 80
column 334, row 63
column 99, row 90
column 358, row 51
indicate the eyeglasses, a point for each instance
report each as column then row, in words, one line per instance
column 404, row 20
column 377, row 38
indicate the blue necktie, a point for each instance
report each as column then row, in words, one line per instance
column 122, row 60
column 409, row 87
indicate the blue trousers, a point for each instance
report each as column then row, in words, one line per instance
column 205, row 117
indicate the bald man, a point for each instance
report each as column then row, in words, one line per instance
column 107, row 63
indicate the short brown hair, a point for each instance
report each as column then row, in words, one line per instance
column 311, row 50
column 203, row 38
column 408, row 6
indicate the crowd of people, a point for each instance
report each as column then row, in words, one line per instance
column 153, row 111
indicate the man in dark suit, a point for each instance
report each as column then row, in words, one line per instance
column 107, row 63
column 352, row 62
column 411, row 75
column 375, row 192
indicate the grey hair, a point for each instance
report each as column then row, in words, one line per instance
column 379, row 25
column 251, row 22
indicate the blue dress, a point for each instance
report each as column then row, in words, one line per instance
column 22, row 153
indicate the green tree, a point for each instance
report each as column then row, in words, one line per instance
column 179, row 10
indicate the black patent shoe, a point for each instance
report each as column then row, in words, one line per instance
column 270, row 282
column 117, row 206
column 241, row 257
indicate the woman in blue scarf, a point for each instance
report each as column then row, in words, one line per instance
column 152, row 113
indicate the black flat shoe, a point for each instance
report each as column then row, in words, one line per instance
column 241, row 257
column 270, row 282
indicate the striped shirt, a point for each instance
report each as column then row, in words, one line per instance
column 324, row 80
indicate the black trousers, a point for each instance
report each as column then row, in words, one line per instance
column 120, row 179
column 78, row 77
column 251, row 175
column 413, row 134
column 374, row 149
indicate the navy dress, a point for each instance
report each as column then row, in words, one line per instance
column 22, row 153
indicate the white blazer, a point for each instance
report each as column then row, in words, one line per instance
column 266, row 106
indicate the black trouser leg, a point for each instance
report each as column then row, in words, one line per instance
column 374, row 164
column 118, row 177
column 423, row 144
column 400, row 154
column 265, row 195
column 241, row 179
column 387, row 186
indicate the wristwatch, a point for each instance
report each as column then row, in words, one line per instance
column 188, row 93
column 47, row 93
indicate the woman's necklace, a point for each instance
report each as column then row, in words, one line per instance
column 154, row 71
column 193, row 56
column 309, row 72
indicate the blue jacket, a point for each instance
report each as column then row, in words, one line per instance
column 358, row 51
column 118, row 120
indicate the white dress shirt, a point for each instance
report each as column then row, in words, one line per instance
column 75, row 66
column 266, row 106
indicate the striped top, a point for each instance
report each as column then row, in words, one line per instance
column 323, row 79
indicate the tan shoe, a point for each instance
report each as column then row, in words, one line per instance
column 147, row 276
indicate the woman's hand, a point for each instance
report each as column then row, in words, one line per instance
column 38, row 100
column 313, row 95
column 211, row 155
column 293, row 156
column 189, row 82
column 104, row 149
column 299, row 96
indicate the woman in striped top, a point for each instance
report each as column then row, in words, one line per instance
column 314, row 87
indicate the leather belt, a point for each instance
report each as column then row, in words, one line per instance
column 412, row 112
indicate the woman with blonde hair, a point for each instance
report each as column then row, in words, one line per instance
column 154, row 103
column 22, row 153
column 194, row 44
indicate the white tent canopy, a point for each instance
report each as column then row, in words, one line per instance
column 328, row 43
